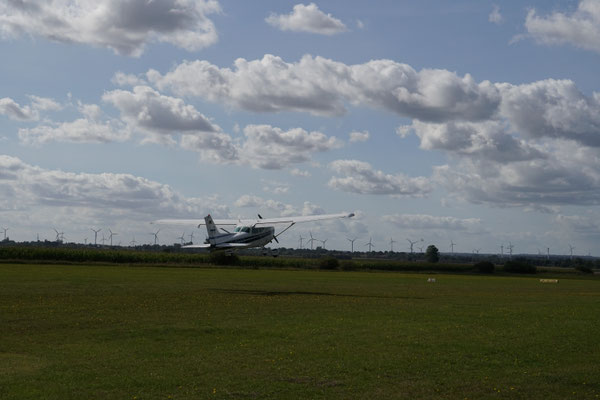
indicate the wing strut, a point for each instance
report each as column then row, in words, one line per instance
column 292, row 224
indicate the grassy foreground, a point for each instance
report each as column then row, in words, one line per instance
column 98, row 332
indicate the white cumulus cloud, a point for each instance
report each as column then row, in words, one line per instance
column 24, row 186
column 323, row 87
column 273, row 148
column 125, row 26
column 495, row 16
column 580, row 28
column 307, row 18
column 30, row 112
column 361, row 177
column 148, row 111
column 359, row 136
column 424, row 221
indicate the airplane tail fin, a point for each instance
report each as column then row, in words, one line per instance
column 211, row 228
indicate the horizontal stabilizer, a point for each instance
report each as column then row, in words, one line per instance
column 231, row 245
column 196, row 246
column 218, row 246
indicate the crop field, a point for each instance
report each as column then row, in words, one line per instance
column 118, row 332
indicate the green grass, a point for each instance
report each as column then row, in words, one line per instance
column 98, row 332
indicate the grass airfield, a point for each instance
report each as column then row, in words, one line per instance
column 118, row 332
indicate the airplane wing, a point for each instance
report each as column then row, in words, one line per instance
column 183, row 222
column 252, row 222
column 196, row 222
column 299, row 219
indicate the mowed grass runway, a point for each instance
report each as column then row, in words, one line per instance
column 116, row 332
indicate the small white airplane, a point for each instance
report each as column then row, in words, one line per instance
column 246, row 232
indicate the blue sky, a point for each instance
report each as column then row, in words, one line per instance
column 468, row 121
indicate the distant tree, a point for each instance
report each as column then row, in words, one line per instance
column 329, row 263
column 432, row 254
column 520, row 266
column 486, row 267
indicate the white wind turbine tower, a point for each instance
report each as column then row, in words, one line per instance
column 182, row 237
column 301, row 239
column 571, row 248
column 311, row 240
column 103, row 240
column 323, row 243
column 133, row 242
column 192, row 237
column 5, row 229
column 392, row 241
column 111, row 236
column 510, row 249
column 96, row 236
column 452, row 244
column 352, row 243
column 370, row 244
column 155, row 236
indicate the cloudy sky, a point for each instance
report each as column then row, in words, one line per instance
column 476, row 122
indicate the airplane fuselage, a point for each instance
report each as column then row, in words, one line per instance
column 244, row 235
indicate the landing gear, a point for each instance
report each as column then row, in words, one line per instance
column 273, row 252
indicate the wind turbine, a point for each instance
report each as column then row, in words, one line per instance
column 4, row 229
column 370, row 244
column 133, row 242
column 60, row 236
column 323, row 243
column 182, row 237
column 192, row 237
column 452, row 244
column 301, row 239
column 392, row 241
column 311, row 240
column 352, row 243
column 96, row 236
column 111, row 236
column 502, row 250
column 103, row 240
column 510, row 249
column 155, row 236
column 412, row 243
column 571, row 248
